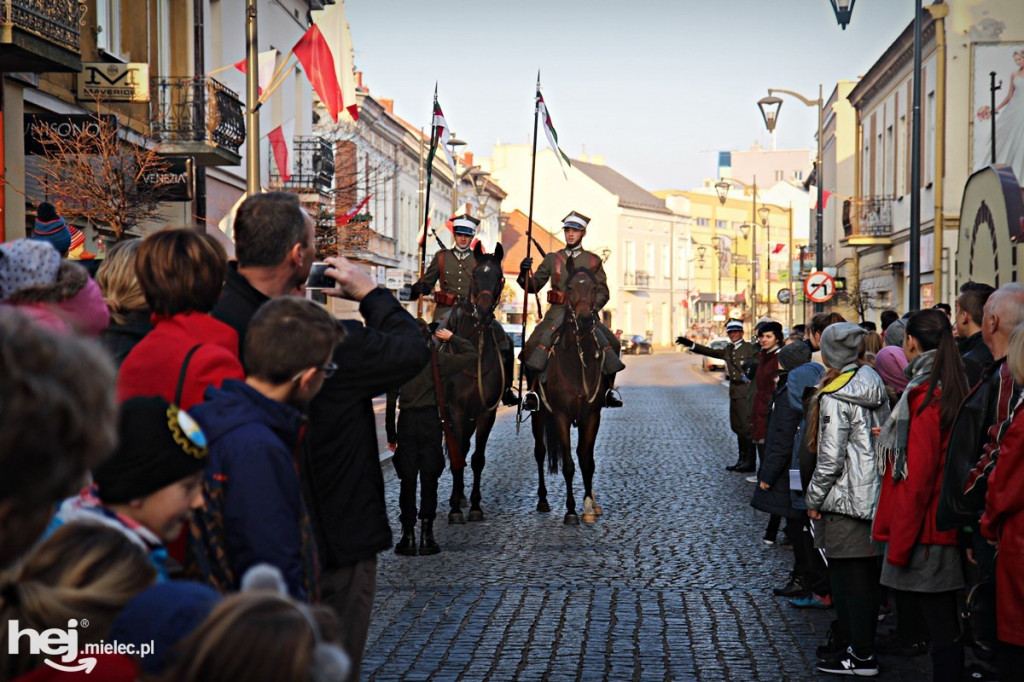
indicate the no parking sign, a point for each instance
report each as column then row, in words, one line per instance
column 819, row 287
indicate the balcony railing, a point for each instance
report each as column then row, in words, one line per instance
column 40, row 35
column 198, row 117
column 312, row 167
column 640, row 279
column 873, row 217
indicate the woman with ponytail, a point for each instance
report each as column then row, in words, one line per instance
column 922, row 564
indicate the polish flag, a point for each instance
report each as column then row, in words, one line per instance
column 345, row 219
column 825, row 195
column 421, row 236
column 325, row 52
column 282, row 144
column 266, row 62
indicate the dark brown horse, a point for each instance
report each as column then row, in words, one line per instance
column 473, row 396
column 572, row 394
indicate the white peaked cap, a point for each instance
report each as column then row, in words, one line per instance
column 576, row 220
column 465, row 224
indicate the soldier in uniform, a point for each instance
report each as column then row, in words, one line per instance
column 741, row 388
column 553, row 268
column 417, row 440
column 453, row 268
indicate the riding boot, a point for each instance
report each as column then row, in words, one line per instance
column 749, row 463
column 611, row 396
column 407, row 545
column 739, row 456
column 510, row 397
column 427, row 543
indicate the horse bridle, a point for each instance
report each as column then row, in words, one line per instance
column 571, row 315
column 481, row 322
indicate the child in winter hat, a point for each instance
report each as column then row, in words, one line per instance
column 840, row 344
column 51, row 228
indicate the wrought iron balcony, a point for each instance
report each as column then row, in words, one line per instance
column 198, row 117
column 312, row 167
column 40, row 36
column 872, row 221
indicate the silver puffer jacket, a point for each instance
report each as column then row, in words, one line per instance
column 846, row 479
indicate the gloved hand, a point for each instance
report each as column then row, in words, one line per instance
column 527, row 264
column 683, row 341
column 418, row 289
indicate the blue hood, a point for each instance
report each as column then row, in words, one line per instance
column 807, row 374
column 236, row 404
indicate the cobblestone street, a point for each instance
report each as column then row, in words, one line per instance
column 673, row 582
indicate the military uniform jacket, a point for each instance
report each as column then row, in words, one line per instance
column 734, row 355
column 452, row 271
column 553, row 268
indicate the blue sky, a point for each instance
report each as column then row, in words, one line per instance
column 657, row 87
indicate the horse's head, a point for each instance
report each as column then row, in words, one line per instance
column 488, row 281
column 581, row 294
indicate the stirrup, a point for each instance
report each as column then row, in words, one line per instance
column 612, row 398
column 531, row 402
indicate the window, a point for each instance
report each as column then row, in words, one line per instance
column 721, row 224
column 666, row 261
column 629, row 262
column 889, row 176
column 798, row 174
column 108, row 26
column 649, row 259
column 702, row 222
column 780, row 175
column 929, row 140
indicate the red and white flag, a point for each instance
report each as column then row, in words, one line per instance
column 266, row 62
column 825, row 196
column 442, row 133
column 346, row 218
column 282, row 144
column 325, row 52
column 421, row 236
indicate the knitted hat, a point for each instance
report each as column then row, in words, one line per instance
column 794, row 355
column 771, row 326
column 25, row 263
column 889, row 363
column 159, row 444
column 164, row 614
column 894, row 333
column 51, row 228
column 840, row 344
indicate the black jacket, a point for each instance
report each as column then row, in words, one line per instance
column 120, row 338
column 238, row 303
column 340, row 461
column 976, row 356
column 783, row 422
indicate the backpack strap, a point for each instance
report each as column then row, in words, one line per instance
column 183, row 372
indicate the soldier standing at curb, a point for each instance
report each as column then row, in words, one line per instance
column 740, row 388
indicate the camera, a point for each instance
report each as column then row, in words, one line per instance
column 317, row 279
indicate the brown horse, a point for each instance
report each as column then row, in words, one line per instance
column 572, row 394
column 473, row 396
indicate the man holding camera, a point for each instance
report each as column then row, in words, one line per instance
column 740, row 388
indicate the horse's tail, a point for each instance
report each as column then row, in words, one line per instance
column 553, row 444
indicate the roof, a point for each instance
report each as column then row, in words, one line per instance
column 513, row 240
column 631, row 195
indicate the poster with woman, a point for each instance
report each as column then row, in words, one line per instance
column 1007, row 61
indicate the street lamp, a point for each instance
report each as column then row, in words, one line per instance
column 769, row 107
column 843, row 10
column 722, row 190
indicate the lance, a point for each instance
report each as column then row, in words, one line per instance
column 529, row 243
column 426, row 201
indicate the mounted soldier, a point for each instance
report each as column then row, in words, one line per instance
column 453, row 268
column 553, row 268
column 741, row 388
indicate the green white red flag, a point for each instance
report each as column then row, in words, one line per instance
column 442, row 133
column 549, row 131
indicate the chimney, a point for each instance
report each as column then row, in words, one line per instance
column 468, row 156
column 359, row 81
column 388, row 104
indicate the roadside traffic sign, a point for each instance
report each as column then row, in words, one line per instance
column 819, row 287
column 784, row 295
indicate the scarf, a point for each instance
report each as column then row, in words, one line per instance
column 892, row 442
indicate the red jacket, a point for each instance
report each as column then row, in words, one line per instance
column 153, row 366
column 907, row 510
column 764, row 381
column 1003, row 520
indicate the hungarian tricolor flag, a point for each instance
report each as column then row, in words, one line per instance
column 549, row 130
column 441, row 133
column 325, row 51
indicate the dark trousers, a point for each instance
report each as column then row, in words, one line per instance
column 935, row 614
column 856, row 595
column 1009, row 661
column 349, row 591
column 418, row 456
column 807, row 561
column 774, row 520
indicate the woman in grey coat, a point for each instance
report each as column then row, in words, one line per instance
column 843, row 493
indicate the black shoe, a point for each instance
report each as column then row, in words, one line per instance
column 849, row 664
column 894, row 644
column 427, row 543
column 745, row 469
column 794, row 588
column 734, row 467
column 834, row 645
column 510, row 398
column 531, row 402
column 612, row 399
column 407, row 545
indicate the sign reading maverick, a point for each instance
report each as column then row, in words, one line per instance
column 71, row 128
column 174, row 183
column 114, row 82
